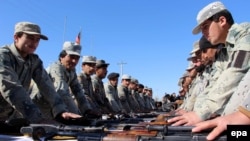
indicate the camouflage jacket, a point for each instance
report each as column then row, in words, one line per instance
column 15, row 77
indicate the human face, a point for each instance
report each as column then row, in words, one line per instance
column 88, row 68
column 26, row 43
column 197, row 60
column 132, row 86
column 113, row 81
column 215, row 32
column 140, row 89
column 208, row 56
column 70, row 61
column 101, row 72
column 125, row 82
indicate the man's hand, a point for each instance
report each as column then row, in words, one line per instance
column 180, row 111
column 189, row 118
column 68, row 115
column 220, row 124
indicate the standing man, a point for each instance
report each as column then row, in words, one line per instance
column 151, row 99
column 112, row 93
column 133, row 102
column 123, row 93
column 99, row 92
column 140, row 97
column 18, row 65
column 88, row 69
column 63, row 74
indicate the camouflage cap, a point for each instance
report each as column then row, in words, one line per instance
column 133, row 80
column 72, row 48
column 195, row 47
column 29, row 28
column 207, row 12
column 180, row 81
column 101, row 63
column 193, row 55
column 89, row 59
column 126, row 76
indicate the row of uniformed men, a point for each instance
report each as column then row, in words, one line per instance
column 216, row 83
column 85, row 93
column 29, row 91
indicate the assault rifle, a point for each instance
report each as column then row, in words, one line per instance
column 182, row 137
column 59, row 132
column 38, row 131
column 181, row 133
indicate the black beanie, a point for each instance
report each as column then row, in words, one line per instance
column 204, row 43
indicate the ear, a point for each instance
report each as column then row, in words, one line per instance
column 223, row 21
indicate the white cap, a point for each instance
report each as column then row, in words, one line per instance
column 207, row 12
column 126, row 76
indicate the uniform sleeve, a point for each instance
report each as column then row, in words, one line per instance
column 240, row 97
column 13, row 91
column 220, row 92
column 78, row 92
column 47, row 90
column 97, row 92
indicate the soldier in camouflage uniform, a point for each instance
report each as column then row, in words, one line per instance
column 64, row 77
column 208, row 56
column 141, row 101
column 18, row 65
column 192, row 74
column 215, row 21
column 151, row 99
column 99, row 92
column 88, row 69
column 112, row 93
column 237, row 111
column 146, row 98
column 123, row 93
column 133, row 95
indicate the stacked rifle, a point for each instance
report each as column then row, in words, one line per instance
column 138, row 127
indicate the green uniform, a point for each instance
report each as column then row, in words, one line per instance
column 86, row 85
column 67, row 86
column 15, row 78
column 240, row 97
column 230, row 72
column 123, row 94
column 99, row 94
column 112, row 96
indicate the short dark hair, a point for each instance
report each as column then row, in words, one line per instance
column 224, row 13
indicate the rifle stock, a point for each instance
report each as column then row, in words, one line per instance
column 48, row 130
